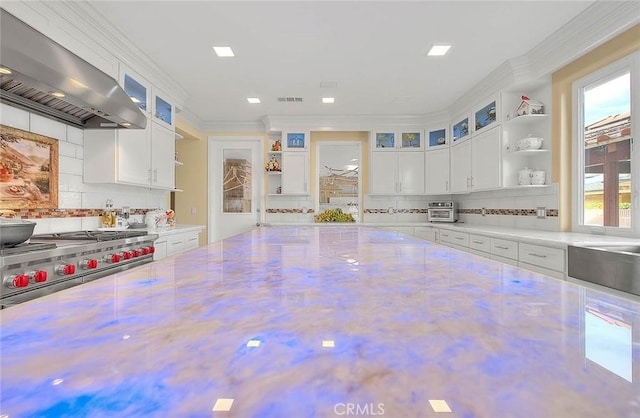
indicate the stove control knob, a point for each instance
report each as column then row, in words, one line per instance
column 37, row 276
column 145, row 250
column 152, row 249
column 66, row 269
column 89, row 264
column 16, row 280
column 113, row 258
column 135, row 253
column 126, row 255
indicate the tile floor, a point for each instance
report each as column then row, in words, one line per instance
column 322, row 322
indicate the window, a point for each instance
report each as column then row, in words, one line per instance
column 606, row 166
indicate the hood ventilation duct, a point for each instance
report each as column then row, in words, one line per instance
column 39, row 75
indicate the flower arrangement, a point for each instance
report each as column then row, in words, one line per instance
column 277, row 146
column 272, row 165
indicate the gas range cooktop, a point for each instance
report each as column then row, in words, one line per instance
column 51, row 262
column 89, row 235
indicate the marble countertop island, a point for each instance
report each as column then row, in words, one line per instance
column 316, row 322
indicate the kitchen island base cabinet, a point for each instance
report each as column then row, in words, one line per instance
column 172, row 242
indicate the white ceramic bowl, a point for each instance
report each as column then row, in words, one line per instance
column 530, row 143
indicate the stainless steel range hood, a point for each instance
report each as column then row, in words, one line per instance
column 42, row 69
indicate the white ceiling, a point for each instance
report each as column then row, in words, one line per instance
column 374, row 50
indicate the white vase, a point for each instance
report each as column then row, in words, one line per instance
column 524, row 176
column 538, row 177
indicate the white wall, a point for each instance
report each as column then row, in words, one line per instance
column 73, row 193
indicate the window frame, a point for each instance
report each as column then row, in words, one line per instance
column 631, row 64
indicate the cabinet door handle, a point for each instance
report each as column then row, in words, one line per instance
column 478, row 242
column 501, row 247
column 149, row 175
column 446, row 186
column 537, row 255
column 460, row 238
column 155, row 175
column 471, row 181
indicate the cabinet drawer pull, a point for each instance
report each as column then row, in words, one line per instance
column 176, row 243
column 478, row 242
column 193, row 239
column 501, row 247
column 537, row 255
column 460, row 238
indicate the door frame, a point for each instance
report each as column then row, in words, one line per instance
column 320, row 143
column 213, row 217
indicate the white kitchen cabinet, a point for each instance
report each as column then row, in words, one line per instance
column 486, row 160
column 461, row 167
column 437, row 171
column 295, row 173
column 163, row 111
column 163, row 147
column 403, row 140
column 295, row 140
column 176, row 241
column 476, row 163
column 397, row 173
column 139, row 157
column 138, row 89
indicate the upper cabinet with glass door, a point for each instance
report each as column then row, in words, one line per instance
column 163, row 110
column 295, row 140
column 391, row 140
column 138, row 89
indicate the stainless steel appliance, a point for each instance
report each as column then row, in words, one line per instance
column 52, row 262
column 444, row 211
column 34, row 67
column 613, row 265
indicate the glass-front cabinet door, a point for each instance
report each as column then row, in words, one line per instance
column 295, row 140
column 137, row 88
column 412, row 140
column 163, row 110
column 383, row 140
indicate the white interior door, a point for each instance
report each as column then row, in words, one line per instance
column 235, row 181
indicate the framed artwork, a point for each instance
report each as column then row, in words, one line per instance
column 460, row 129
column 385, row 140
column 485, row 116
column 28, row 170
column 295, row 140
column 438, row 138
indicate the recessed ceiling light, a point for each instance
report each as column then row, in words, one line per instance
column 328, row 100
column 438, row 50
column 4, row 70
column 253, row 100
column 223, row 51
column 57, row 94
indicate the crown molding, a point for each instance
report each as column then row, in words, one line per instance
column 340, row 122
column 597, row 24
column 234, row 126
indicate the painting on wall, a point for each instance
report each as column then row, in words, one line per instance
column 28, row 170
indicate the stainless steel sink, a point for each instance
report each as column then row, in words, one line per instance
column 612, row 265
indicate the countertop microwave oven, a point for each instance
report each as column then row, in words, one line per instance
column 443, row 211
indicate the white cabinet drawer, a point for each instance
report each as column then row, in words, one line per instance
column 446, row 236
column 504, row 248
column 425, row 233
column 175, row 244
column 160, row 249
column 549, row 258
column 480, row 243
column 191, row 241
column 461, row 238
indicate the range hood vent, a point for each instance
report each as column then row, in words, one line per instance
column 41, row 71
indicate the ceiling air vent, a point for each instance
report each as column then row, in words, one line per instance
column 290, row 99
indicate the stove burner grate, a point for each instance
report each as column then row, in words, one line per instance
column 91, row 235
column 26, row 247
